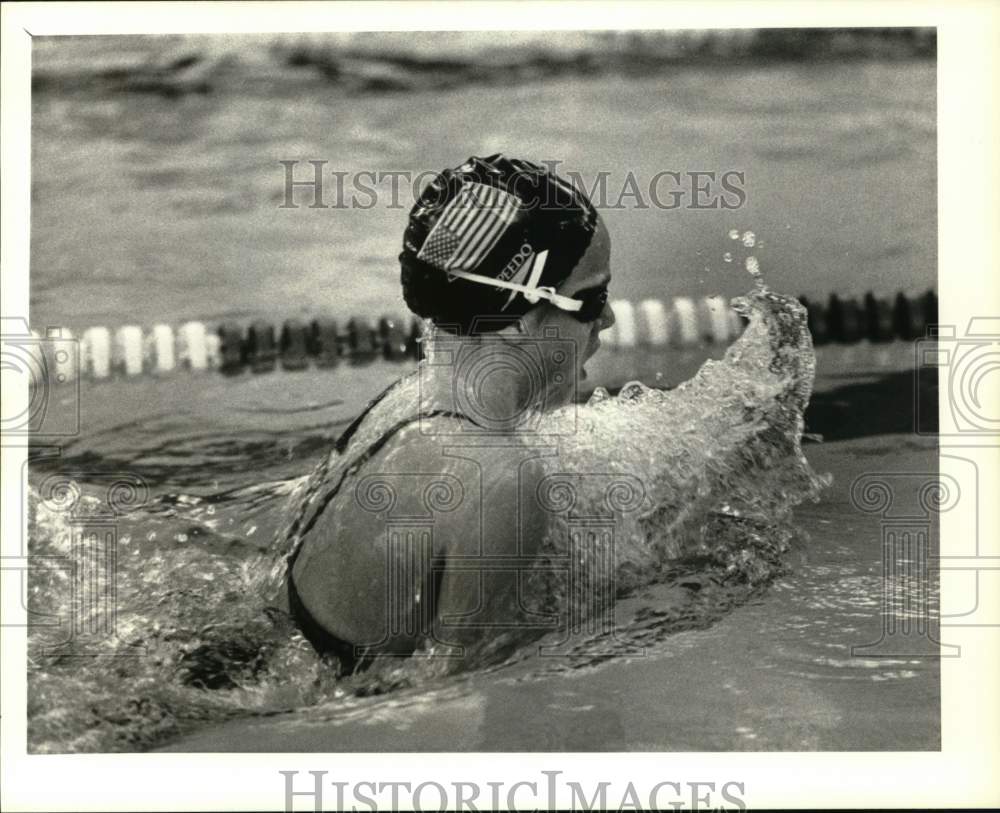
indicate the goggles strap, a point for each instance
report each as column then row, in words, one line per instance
column 532, row 292
column 536, row 274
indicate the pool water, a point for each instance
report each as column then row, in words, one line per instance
column 175, row 201
column 199, row 647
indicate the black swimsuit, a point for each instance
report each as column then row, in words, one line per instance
column 322, row 640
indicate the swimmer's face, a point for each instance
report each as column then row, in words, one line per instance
column 591, row 274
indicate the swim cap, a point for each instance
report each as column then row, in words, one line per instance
column 497, row 217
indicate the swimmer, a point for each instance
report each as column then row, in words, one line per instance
column 418, row 524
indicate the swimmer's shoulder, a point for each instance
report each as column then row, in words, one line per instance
column 452, row 452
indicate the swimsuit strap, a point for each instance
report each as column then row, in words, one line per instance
column 340, row 445
column 301, row 527
column 345, row 437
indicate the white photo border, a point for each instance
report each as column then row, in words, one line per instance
column 963, row 773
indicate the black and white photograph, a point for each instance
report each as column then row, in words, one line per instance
column 544, row 385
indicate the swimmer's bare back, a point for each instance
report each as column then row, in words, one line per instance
column 426, row 539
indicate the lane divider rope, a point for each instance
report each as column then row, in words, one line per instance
column 232, row 348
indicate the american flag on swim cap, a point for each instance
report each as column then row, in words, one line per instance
column 469, row 226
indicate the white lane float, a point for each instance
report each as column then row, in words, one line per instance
column 127, row 354
column 191, row 345
column 95, row 347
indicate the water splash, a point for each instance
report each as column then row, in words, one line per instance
column 719, row 457
column 720, row 465
column 752, row 266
